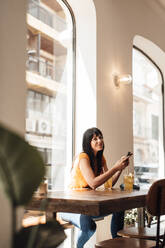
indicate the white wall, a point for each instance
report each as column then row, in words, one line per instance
column 12, row 86
column 85, row 16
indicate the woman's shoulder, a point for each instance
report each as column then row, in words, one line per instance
column 78, row 157
column 83, row 155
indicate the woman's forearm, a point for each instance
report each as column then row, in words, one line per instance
column 116, row 177
column 99, row 180
column 95, row 181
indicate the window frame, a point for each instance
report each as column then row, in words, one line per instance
column 162, row 91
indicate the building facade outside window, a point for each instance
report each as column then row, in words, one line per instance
column 49, row 77
column 147, row 119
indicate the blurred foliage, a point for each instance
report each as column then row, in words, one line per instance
column 21, row 171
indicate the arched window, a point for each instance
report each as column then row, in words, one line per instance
column 50, row 80
column 147, row 118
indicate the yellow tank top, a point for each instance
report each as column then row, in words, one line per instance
column 77, row 179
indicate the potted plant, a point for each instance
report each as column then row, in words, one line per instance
column 130, row 218
column 21, row 172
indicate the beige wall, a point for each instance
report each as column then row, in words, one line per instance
column 12, row 85
column 12, row 63
column 117, row 24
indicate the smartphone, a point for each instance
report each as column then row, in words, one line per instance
column 129, row 154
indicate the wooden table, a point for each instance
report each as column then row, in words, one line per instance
column 91, row 202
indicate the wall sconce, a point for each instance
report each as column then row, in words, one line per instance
column 122, row 79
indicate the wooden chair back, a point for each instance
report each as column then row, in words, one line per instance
column 156, row 198
column 156, row 204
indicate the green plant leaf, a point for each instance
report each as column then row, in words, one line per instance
column 21, row 167
column 48, row 235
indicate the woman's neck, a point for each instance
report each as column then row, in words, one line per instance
column 95, row 154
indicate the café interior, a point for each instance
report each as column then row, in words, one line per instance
column 68, row 65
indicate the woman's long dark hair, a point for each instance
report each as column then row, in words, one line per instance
column 86, row 146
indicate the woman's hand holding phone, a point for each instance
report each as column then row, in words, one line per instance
column 129, row 154
column 124, row 161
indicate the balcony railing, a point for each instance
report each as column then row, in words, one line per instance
column 44, row 68
column 42, row 14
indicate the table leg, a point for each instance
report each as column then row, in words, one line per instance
column 141, row 217
column 50, row 215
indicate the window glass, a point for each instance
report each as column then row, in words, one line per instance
column 147, row 119
column 49, row 78
column 155, row 127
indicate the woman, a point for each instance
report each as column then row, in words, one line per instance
column 90, row 171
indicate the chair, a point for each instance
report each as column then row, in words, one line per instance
column 141, row 232
column 146, row 232
column 32, row 218
column 156, row 206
